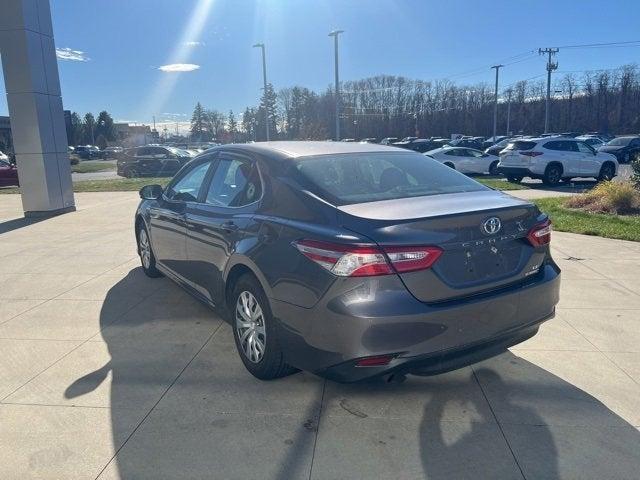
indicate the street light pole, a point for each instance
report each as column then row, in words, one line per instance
column 551, row 66
column 264, row 78
column 495, row 103
column 335, row 34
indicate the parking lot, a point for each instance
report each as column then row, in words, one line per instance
column 105, row 373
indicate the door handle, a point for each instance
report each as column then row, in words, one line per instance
column 229, row 226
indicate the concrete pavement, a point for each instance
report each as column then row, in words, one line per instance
column 107, row 374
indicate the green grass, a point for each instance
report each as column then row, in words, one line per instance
column 92, row 166
column 566, row 219
column 501, row 184
column 109, row 185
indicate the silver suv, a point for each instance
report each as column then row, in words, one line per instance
column 555, row 159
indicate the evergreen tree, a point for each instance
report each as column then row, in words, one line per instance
column 268, row 102
column 104, row 127
column 88, row 135
column 232, row 126
column 75, row 130
column 198, row 123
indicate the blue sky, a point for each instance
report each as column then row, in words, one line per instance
column 124, row 42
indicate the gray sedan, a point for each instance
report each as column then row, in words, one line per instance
column 350, row 260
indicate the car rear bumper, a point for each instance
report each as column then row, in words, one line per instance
column 516, row 171
column 380, row 317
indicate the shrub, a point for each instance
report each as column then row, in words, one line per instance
column 635, row 176
column 619, row 198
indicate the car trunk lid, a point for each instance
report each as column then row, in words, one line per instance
column 477, row 254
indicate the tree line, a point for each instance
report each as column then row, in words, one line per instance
column 89, row 130
column 385, row 105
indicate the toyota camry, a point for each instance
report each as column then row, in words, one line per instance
column 350, row 260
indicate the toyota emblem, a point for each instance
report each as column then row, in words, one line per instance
column 491, row 225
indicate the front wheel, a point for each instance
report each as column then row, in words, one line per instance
column 493, row 169
column 147, row 258
column 255, row 332
column 607, row 172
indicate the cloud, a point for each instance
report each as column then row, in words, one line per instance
column 194, row 44
column 179, row 67
column 71, row 55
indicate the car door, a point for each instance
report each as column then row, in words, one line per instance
column 476, row 162
column 589, row 162
column 221, row 219
column 168, row 217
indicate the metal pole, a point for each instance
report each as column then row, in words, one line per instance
column 495, row 103
column 508, row 111
column 264, row 78
column 335, row 34
column 551, row 66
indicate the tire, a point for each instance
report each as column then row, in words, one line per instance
column 552, row 175
column 607, row 172
column 147, row 258
column 255, row 332
column 514, row 179
column 130, row 172
column 493, row 169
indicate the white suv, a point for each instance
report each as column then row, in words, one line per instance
column 553, row 159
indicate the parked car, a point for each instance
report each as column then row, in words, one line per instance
column 626, row 149
column 497, row 147
column 419, row 145
column 388, row 140
column 555, row 159
column 605, row 137
column 467, row 143
column 8, row 173
column 350, row 260
column 493, row 140
column 151, row 161
column 89, row 152
column 465, row 160
column 595, row 142
column 113, row 152
column 369, row 140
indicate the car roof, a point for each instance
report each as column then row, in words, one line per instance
column 294, row 149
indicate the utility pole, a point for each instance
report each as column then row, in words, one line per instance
column 551, row 66
column 335, row 34
column 495, row 102
column 509, row 92
column 264, row 78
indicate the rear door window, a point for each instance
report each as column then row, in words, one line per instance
column 520, row 145
column 235, row 183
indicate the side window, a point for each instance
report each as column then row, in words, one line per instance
column 584, row 148
column 453, row 152
column 142, row 152
column 188, row 187
column 235, row 183
column 571, row 146
column 635, row 143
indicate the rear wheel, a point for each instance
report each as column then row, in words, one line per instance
column 255, row 332
column 493, row 169
column 130, row 172
column 607, row 172
column 552, row 175
column 514, row 178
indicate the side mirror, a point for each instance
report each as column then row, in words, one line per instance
column 151, row 192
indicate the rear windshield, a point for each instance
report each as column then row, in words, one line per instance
column 520, row 145
column 346, row 179
column 620, row 142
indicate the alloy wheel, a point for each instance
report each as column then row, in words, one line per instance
column 250, row 327
column 145, row 248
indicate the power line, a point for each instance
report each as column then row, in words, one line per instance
column 630, row 43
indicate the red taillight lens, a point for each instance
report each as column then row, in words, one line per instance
column 378, row 361
column 530, row 154
column 540, row 234
column 363, row 261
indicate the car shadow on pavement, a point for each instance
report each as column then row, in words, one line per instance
column 525, row 422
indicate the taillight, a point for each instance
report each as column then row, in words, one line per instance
column 530, row 154
column 367, row 260
column 540, row 234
